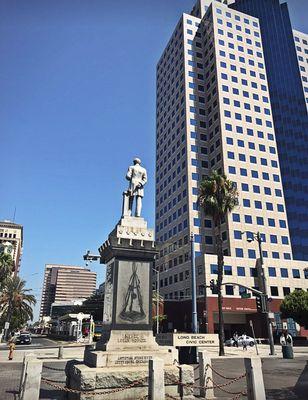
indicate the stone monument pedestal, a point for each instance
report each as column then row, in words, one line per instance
column 127, row 344
column 107, row 383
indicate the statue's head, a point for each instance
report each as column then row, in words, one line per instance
column 137, row 161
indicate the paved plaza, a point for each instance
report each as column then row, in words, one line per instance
column 284, row 379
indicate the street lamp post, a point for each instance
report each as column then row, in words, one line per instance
column 157, row 299
column 193, row 286
column 258, row 238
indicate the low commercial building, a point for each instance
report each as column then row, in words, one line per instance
column 282, row 278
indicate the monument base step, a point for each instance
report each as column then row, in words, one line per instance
column 99, row 359
column 110, row 383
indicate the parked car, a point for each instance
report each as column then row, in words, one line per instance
column 23, row 338
column 250, row 341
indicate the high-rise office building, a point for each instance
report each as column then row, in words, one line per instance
column 215, row 112
column 301, row 46
column 11, row 241
column 289, row 111
column 65, row 283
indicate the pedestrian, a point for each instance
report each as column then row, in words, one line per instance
column 11, row 349
column 283, row 340
column 235, row 339
column 244, row 341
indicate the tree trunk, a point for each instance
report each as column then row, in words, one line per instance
column 8, row 319
column 220, row 262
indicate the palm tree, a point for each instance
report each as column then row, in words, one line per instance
column 16, row 301
column 218, row 196
column 6, row 267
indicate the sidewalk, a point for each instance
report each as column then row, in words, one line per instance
column 70, row 352
column 263, row 350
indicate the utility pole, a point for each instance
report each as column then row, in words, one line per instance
column 193, row 285
column 264, row 290
column 157, row 298
column 257, row 236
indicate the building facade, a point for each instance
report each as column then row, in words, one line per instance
column 11, row 241
column 301, row 46
column 215, row 112
column 289, row 111
column 65, row 283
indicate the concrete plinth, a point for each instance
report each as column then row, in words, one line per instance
column 130, row 348
column 106, row 383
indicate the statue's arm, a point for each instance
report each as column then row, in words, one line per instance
column 129, row 174
column 144, row 178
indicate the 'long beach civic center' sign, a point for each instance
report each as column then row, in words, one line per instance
column 187, row 339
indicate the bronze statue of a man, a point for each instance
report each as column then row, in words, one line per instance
column 137, row 177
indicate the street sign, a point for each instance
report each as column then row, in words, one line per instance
column 187, row 339
column 245, row 295
column 6, row 325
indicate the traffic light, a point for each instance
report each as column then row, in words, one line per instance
column 213, row 286
column 259, row 303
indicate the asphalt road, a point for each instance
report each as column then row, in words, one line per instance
column 37, row 343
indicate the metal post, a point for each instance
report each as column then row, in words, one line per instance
column 157, row 301
column 254, row 336
column 193, row 286
column 264, row 290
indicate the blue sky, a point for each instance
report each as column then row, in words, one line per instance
column 77, row 103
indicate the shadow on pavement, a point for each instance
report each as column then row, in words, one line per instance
column 46, row 394
column 297, row 392
column 14, row 393
column 301, row 386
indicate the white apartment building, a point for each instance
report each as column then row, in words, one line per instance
column 214, row 113
column 11, row 241
column 301, row 45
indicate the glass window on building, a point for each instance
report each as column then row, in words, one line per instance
column 284, row 273
column 229, row 290
column 286, row 291
column 242, row 290
column 295, row 273
column 241, row 271
column 228, row 270
column 272, row 271
column 239, row 252
column 214, row 269
column 274, row 291
column 253, row 272
column 251, row 253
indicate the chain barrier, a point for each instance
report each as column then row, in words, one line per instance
column 238, row 396
column 219, row 374
column 53, row 369
column 51, row 380
column 222, row 387
column 66, row 389
column 217, row 386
